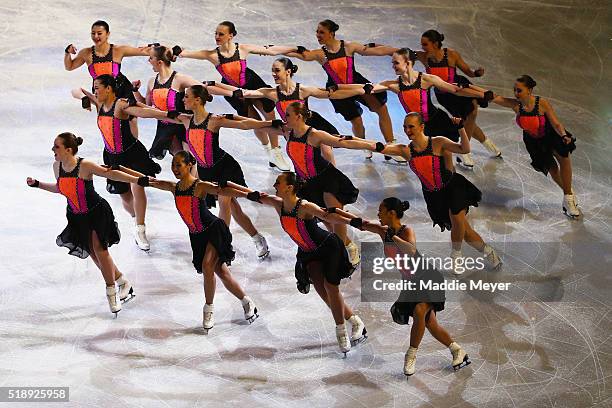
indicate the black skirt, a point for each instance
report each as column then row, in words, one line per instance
column 254, row 82
column 541, row 149
column 77, row 234
column 440, row 124
column 349, row 108
column 320, row 123
column 220, row 237
column 136, row 158
column 459, row 194
column 458, row 106
column 228, row 169
column 330, row 258
column 332, row 181
column 164, row 135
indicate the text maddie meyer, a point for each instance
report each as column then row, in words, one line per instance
column 451, row 285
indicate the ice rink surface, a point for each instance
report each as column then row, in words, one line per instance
column 55, row 326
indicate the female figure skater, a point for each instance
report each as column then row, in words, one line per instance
column 443, row 62
column 91, row 225
column 548, row 142
column 230, row 59
column 165, row 92
column 122, row 147
column 103, row 58
column 321, row 258
column 337, row 58
column 211, row 239
column 421, row 305
column 215, row 164
column 324, row 184
column 448, row 194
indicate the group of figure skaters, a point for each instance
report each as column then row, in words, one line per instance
column 316, row 191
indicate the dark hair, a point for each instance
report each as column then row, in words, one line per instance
column 292, row 179
column 288, row 64
column 397, row 205
column 330, row 25
column 185, row 156
column 415, row 115
column 101, row 23
column 408, row 54
column 527, row 80
column 70, row 141
column 300, row 108
column 200, row 91
column 434, row 36
column 107, row 80
column 164, row 54
column 231, row 26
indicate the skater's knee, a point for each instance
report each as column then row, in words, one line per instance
column 420, row 310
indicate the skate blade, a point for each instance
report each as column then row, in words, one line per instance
column 466, row 362
column 252, row 318
column 572, row 217
column 206, row 330
column 116, row 313
column 127, row 299
column 264, row 256
column 275, row 167
column 463, row 165
column 360, row 340
column 142, row 249
column 408, row 375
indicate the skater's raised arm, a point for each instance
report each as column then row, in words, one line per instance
column 444, row 143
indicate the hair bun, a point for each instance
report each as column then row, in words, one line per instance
column 405, row 205
column 441, row 37
column 209, row 98
column 294, row 68
column 79, row 140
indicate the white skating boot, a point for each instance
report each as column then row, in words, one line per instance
column 140, row 235
column 343, row 339
column 410, row 361
column 457, row 257
column 397, row 159
column 208, row 320
column 261, row 246
column 466, row 161
column 126, row 291
column 354, row 254
column 460, row 358
column 359, row 333
column 276, row 159
column 250, row 310
column 570, row 208
column 493, row 261
column 113, row 302
column 491, row 147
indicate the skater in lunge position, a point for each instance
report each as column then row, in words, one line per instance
column 211, row 239
column 91, row 225
column 448, row 194
column 548, row 142
column 422, row 305
column 321, row 257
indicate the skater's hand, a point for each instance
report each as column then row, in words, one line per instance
column 300, row 49
column 568, row 138
column 332, row 88
column 331, row 210
column 136, row 85
column 144, row 181
column 479, row 72
column 254, row 196
column 346, row 137
column 238, row 94
column 176, row 50
column 367, row 88
column 458, row 122
column 32, row 182
column 356, row 223
column 173, row 114
column 209, row 83
column 278, row 123
column 380, row 147
column 462, row 82
column 70, row 49
column 86, row 103
column 153, row 182
column 156, row 44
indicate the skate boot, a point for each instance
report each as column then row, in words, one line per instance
column 410, row 361
column 457, row 258
column 276, row 159
column 493, row 261
column 460, row 358
column 261, row 246
column 491, row 147
column 113, row 302
column 140, row 235
column 208, row 320
column 250, row 310
column 466, row 161
column 570, row 208
column 359, row 334
column 343, row 339
column 126, row 291
column 398, row 159
column 354, row 254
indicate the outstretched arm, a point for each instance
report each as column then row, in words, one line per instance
column 195, row 54
column 396, row 150
column 306, row 55
column 445, row 86
column 463, row 66
column 506, row 102
column 242, row 123
column 371, row 49
column 129, row 51
column 345, row 142
column 162, row 185
column 266, row 49
column 327, row 216
column 50, row 187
